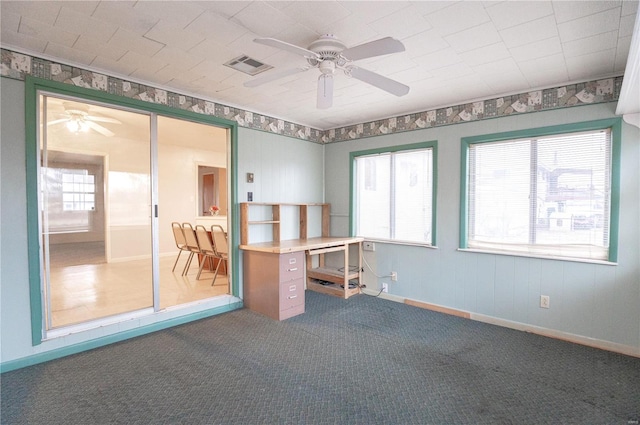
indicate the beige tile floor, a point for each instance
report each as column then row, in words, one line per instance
column 91, row 291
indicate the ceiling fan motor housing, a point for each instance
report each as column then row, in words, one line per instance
column 328, row 47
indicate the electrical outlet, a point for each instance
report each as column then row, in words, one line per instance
column 368, row 246
column 544, row 301
column 394, row 276
column 385, row 287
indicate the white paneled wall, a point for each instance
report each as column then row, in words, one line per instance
column 284, row 170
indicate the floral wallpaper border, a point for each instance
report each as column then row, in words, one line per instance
column 605, row 90
column 17, row 65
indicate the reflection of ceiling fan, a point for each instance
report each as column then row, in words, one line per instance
column 328, row 54
column 77, row 119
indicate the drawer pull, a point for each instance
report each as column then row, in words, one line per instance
column 292, row 288
column 293, row 269
column 292, row 297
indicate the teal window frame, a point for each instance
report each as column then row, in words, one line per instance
column 615, row 124
column 33, row 86
column 433, row 145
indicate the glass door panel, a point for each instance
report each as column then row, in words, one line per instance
column 192, row 185
column 96, row 211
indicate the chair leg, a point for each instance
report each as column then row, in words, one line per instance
column 186, row 266
column 202, row 263
column 176, row 263
column 216, row 273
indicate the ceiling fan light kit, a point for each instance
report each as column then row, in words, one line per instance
column 77, row 119
column 76, row 125
column 328, row 53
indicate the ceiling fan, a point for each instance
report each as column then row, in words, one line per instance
column 328, row 54
column 77, row 119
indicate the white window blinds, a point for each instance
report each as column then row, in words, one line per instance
column 544, row 196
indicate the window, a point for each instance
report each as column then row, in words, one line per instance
column 78, row 191
column 541, row 194
column 395, row 193
column 70, row 195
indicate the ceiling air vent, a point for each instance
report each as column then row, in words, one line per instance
column 247, row 65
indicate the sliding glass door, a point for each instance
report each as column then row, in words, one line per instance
column 95, row 206
column 111, row 182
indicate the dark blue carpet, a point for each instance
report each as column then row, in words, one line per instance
column 358, row 361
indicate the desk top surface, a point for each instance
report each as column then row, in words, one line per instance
column 293, row 245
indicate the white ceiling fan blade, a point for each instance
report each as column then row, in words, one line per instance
column 377, row 80
column 283, row 45
column 325, row 91
column 100, row 129
column 102, row 119
column 271, row 76
column 383, row 46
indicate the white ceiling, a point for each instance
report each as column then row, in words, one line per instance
column 456, row 51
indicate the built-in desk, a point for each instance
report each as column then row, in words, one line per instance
column 274, row 271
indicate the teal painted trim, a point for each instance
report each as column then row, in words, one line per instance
column 542, row 131
column 117, row 337
column 100, row 96
column 434, row 193
column 32, row 86
column 235, row 218
column 33, row 231
column 616, row 154
column 352, row 194
column 464, row 207
column 433, row 144
column 615, row 124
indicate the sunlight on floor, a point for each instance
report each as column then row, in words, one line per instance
column 91, row 291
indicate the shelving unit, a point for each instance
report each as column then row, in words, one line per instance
column 245, row 223
column 336, row 281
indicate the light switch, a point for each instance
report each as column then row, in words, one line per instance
column 249, row 177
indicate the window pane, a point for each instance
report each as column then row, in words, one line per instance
column 413, row 187
column 373, row 201
column 548, row 196
column 572, row 187
column 500, row 201
column 395, row 196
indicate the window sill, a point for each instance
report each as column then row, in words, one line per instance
column 406, row 243
column 543, row 257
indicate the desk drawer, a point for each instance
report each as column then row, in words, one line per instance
column 291, row 266
column 290, row 312
column 291, row 294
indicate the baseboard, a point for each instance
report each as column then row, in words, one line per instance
column 564, row 336
column 550, row 333
column 438, row 308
